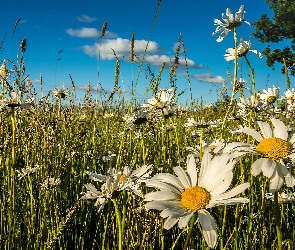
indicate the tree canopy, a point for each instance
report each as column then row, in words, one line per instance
column 280, row 27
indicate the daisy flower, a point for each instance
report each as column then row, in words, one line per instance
column 289, row 96
column 114, row 183
column 247, row 104
column 231, row 22
column 270, row 95
column 16, row 101
column 61, row 93
column 242, row 50
column 164, row 98
column 189, row 192
column 27, row 171
column 273, row 147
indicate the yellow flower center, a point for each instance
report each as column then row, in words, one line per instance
column 233, row 24
column 122, row 178
column 195, row 198
column 274, row 148
column 271, row 99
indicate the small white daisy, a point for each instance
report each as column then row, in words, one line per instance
column 242, row 50
column 195, row 191
column 270, row 95
column 27, row 171
column 231, row 22
column 114, row 183
column 273, row 146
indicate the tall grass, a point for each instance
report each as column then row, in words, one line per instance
column 65, row 141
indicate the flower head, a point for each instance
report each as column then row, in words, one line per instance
column 114, row 183
column 270, row 95
column 242, row 50
column 27, row 171
column 231, row 22
column 187, row 193
column 273, row 147
column 61, row 93
column 15, row 101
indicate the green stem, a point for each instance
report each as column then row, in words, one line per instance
column 124, row 210
column 118, row 219
column 234, row 82
column 188, row 236
column 278, row 220
column 252, row 76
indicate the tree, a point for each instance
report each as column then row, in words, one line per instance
column 281, row 27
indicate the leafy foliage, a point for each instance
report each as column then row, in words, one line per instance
column 278, row 28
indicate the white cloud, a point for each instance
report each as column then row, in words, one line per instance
column 208, row 78
column 157, row 61
column 86, row 19
column 89, row 33
column 121, row 47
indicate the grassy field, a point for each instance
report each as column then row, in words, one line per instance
column 65, row 184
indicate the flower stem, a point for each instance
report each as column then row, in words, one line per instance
column 252, row 76
column 278, row 220
column 118, row 219
column 124, row 210
column 188, row 236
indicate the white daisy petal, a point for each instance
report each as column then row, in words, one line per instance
column 289, row 178
column 181, row 174
column 222, row 187
column 276, row 181
column 168, row 178
column 267, row 167
column 280, row 129
column 292, row 140
column 265, row 128
column 161, row 195
column 208, row 227
column 192, row 170
column 184, row 220
column 161, row 205
column 172, row 211
column 251, row 132
column 256, row 166
column 163, row 186
column 170, row 222
column 235, row 191
column 228, row 202
column 237, row 146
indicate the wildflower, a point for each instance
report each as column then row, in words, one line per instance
column 114, row 183
column 282, row 197
column 289, row 96
column 242, row 50
column 231, row 22
column 50, row 183
column 247, row 104
column 61, row 93
column 273, row 147
column 16, row 101
column 108, row 115
column 109, row 156
column 27, row 171
column 215, row 146
column 188, row 193
column 270, row 95
column 164, row 99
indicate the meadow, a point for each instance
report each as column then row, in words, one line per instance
column 93, row 174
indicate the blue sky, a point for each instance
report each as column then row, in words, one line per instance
column 74, row 27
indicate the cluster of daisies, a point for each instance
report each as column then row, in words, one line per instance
column 206, row 181
column 205, row 184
